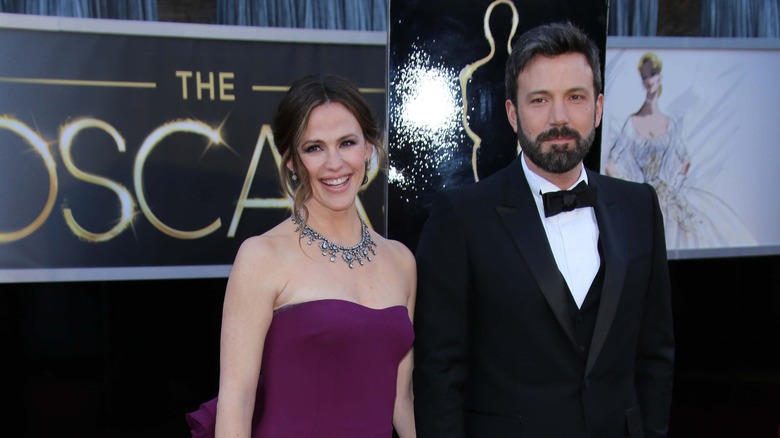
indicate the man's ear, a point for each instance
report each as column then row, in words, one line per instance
column 599, row 110
column 511, row 114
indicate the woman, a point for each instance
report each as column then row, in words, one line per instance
column 650, row 148
column 318, row 346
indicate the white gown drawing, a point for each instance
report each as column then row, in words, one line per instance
column 650, row 147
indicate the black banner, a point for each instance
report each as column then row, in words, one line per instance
column 446, row 94
column 127, row 156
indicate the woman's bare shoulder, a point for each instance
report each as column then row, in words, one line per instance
column 272, row 243
column 400, row 253
column 264, row 264
column 401, row 270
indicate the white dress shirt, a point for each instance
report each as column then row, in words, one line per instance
column 573, row 236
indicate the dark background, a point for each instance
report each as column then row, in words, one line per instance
column 129, row 358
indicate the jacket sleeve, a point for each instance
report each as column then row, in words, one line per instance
column 441, row 323
column 655, row 354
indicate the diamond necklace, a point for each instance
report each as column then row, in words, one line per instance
column 349, row 254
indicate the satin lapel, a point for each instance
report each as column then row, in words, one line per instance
column 523, row 224
column 612, row 233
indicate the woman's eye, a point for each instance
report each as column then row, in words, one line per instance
column 312, row 148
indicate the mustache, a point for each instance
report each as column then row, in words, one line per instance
column 563, row 131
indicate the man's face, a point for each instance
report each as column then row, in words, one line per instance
column 557, row 111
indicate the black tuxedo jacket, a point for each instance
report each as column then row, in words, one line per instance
column 495, row 349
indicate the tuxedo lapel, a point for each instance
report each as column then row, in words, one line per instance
column 520, row 217
column 613, row 240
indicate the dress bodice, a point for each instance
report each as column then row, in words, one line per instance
column 658, row 160
column 329, row 370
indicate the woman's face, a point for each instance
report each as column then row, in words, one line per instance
column 651, row 78
column 334, row 152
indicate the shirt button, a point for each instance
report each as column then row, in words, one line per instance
column 580, row 318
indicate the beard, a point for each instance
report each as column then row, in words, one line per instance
column 560, row 159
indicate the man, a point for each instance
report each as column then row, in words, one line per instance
column 545, row 324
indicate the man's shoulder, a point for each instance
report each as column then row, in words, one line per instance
column 485, row 188
column 615, row 183
column 469, row 196
column 617, row 189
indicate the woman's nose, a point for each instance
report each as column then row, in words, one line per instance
column 334, row 159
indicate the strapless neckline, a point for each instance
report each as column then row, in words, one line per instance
column 334, row 301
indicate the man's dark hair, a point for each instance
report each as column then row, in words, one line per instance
column 550, row 40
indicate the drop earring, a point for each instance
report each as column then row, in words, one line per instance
column 294, row 176
column 365, row 174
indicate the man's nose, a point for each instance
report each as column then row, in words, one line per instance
column 559, row 114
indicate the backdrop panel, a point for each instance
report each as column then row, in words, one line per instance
column 447, row 123
column 144, row 150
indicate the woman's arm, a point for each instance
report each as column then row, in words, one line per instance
column 403, row 414
column 246, row 316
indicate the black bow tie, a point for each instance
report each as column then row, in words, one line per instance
column 582, row 195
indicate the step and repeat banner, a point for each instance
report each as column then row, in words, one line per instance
column 135, row 150
column 446, row 95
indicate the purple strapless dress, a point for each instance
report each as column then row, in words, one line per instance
column 329, row 371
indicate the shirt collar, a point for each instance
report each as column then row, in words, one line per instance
column 539, row 185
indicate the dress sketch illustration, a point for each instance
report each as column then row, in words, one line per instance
column 650, row 147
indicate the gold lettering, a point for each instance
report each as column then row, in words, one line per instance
column 225, row 86
column 200, row 85
column 128, row 206
column 243, row 200
column 185, row 76
column 159, row 134
column 41, row 148
column 68, row 133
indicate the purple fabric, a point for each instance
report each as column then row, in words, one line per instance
column 201, row 422
column 329, row 371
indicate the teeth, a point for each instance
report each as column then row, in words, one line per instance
column 335, row 182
